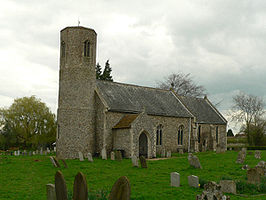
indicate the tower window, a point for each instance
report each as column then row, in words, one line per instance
column 199, row 134
column 217, row 130
column 63, row 49
column 180, row 135
column 159, row 135
column 87, row 48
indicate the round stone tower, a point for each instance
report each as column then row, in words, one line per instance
column 75, row 115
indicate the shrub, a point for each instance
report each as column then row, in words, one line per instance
column 256, row 148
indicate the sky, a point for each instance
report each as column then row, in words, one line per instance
column 221, row 43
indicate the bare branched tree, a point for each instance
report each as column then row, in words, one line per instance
column 183, row 85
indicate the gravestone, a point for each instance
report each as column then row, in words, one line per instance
column 121, row 189
column 118, row 155
column 258, row 154
column 135, row 161
column 60, row 186
column 228, row 186
column 254, row 175
column 48, row 150
column 194, row 161
column 104, row 154
column 261, row 164
column 193, row 181
column 212, row 191
column 241, row 156
column 80, row 187
column 163, row 153
column 90, row 159
column 64, row 163
column 50, row 191
column 41, row 152
column 143, row 162
column 112, row 155
column 30, row 153
column 168, row 155
column 56, row 161
column 15, row 153
column 180, row 151
column 81, row 158
column 37, row 152
column 53, row 161
column 33, row 153
column 18, row 152
column 175, row 179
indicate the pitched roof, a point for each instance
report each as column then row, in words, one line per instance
column 134, row 99
column 203, row 110
column 126, row 121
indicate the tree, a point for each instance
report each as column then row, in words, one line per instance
column 230, row 133
column 248, row 109
column 28, row 123
column 98, row 70
column 182, row 84
column 107, row 72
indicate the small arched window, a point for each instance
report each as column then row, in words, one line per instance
column 180, row 135
column 87, row 48
column 199, row 129
column 159, row 135
column 63, row 49
column 217, row 131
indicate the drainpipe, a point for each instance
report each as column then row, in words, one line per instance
column 189, row 132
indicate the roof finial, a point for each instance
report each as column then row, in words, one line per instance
column 78, row 22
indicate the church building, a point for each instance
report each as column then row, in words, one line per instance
column 96, row 114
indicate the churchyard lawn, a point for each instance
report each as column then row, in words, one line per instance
column 25, row 177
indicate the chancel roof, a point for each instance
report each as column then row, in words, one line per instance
column 203, row 110
column 136, row 99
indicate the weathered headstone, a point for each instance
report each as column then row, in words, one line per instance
column 168, row 154
column 56, row 161
column 112, row 155
column 228, row 186
column 258, row 154
column 121, row 189
column 90, row 159
column 104, row 154
column 80, row 187
column 33, row 153
column 254, row 175
column 53, row 161
column 48, row 150
column 50, row 191
column 194, row 161
column 180, row 151
column 212, row 191
column 193, row 181
column 143, row 162
column 64, row 163
column 241, row 156
column 30, row 153
column 175, row 179
column 118, row 155
column 60, row 186
column 41, row 152
column 261, row 164
column 45, row 153
column 135, row 161
column 15, row 153
column 18, row 152
column 81, row 158
column 163, row 152
column 37, row 152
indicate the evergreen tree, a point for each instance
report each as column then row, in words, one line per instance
column 98, row 70
column 107, row 72
column 230, row 133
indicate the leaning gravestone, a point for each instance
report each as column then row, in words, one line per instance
column 254, row 175
column 228, row 186
column 194, row 161
column 135, row 161
column 50, row 191
column 175, row 179
column 193, row 181
column 118, row 155
column 56, row 161
column 112, row 155
column 53, row 161
column 104, row 155
column 121, row 189
column 168, row 154
column 81, row 158
column 90, row 157
column 258, row 154
column 143, row 162
column 60, row 186
column 80, row 187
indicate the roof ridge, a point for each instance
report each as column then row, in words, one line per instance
column 134, row 85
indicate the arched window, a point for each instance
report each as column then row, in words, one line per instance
column 180, row 135
column 217, row 130
column 87, row 48
column 199, row 129
column 63, row 49
column 159, row 135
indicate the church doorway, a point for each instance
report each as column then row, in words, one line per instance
column 143, row 145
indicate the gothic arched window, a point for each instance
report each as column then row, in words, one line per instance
column 159, row 135
column 87, row 48
column 180, row 135
column 217, row 130
column 199, row 129
column 63, row 49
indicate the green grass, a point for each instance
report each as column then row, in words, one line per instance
column 25, row 177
